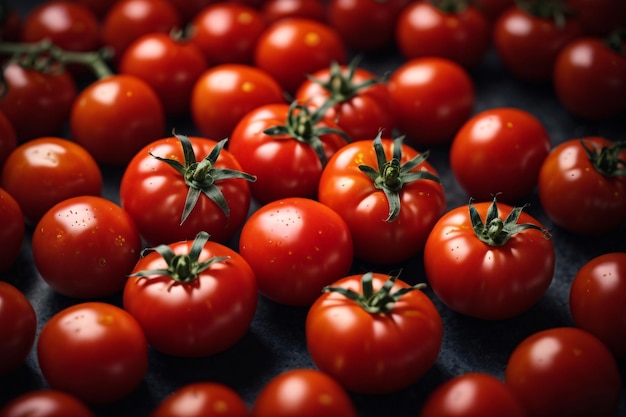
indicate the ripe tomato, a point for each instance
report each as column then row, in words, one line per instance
column 582, row 185
column 93, row 350
column 472, row 394
column 18, row 324
column 56, row 168
column 481, row 268
column 499, row 151
column 8, row 139
column 201, row 182
column 432, row 97
column 598, row 17
column 289, row 49
column 273, row 10
column 373, row 333
column 224, row 94
column 590, row 78
column 564, row 372
column 12, row 229
column 202, row 399
column 46, row 403
column 596, row 300
column 296, row 246
column 115, row 117
column 455, row 31
column 493, row 8
column 285, row 147
column 387, row 193
column 93, row 235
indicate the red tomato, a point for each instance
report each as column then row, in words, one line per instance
column 296, row 246
column 204, row 191
column 460, row 32
column 590, row 78
column 582, row 185
column 499, row 151
column 285, row 147
column 95, row 351
column 493, row 8
column 10, row 30
column 471, row 249
column 93, row 235
column 273, row 10
column 114, row 117
column 564, row 372
column 473, row 394
column 12, row 229
column 57, row 168
column 8, row 139
column 598, row 17
column 202, row 399
column 432, row 97
column 18, row 324
column 391, row 205
column 289, row 49
column 46, row 403
column 98, row 7
column 225, row 93
column 596, row 300
column 373, row 333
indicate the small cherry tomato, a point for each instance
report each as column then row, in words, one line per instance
column 274, row 10
column 18, row 324
column 8, row 139
column 46, row 403
column 12, row 229
column 202, row 399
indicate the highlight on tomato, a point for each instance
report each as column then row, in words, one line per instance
column 18, row 325
column 202, row 399
column 373, row 332
column 46, row 402
column 12, row 229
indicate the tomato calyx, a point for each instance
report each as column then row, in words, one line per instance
column 201, row 177
column 616, row 41
column 450, row 6
column 391, row 176
column 555, row 10
column 495, row 231
column 605, row 159
column 183, row 268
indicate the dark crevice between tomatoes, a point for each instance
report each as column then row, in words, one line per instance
column 555, row 10
column 616, row 41
column 450, row 6
column 606, row 159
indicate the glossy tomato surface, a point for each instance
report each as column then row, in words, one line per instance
column 202, row 399
column 12, row 229
column 18, row 324
column 46, row 403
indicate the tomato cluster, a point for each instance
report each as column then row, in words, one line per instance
column 287, row 208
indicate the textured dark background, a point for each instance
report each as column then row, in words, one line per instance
column 276, row 340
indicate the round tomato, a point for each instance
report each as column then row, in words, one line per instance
column 303, row 392
column 273, row 10
column 596, row 300
column 432, row 97
column 598, row 17
column 46, row 403
column 93, row 235
column 582, row 185
column 564, row 372
column 481, row 268
column 8, row 139
column 178, row 186
column 12, row 229
column 499, row 151
column 373, row 333
column 45, row 171
column 95, row 351
column 388, row 195
column 493, row 8
column 202, row 399
column 18, row 324
column 296, row 246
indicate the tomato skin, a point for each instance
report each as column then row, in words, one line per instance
column 483, row 151
column 493, row 8
column 18, row 324
column 202, row 399
column 12, row 229
column 373, row 353
column 596, row 300
column 566, row 372
column 8, row 139
column 593, row 88
column 93, row 350
column 273, row 10
column 433, row 97
column 295, row 247
column 577, row 197
column 598, row 17
column 46, row 403
column 45, row 171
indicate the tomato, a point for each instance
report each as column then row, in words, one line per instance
column 202, row 399
column 18, row 324
column 534, row 34
column 170, row 65
column 201, row 182
column 92, row 235
column 273, row 10
column 493, row 8
column 289, row 49
column 566, row 372
column 432, row 97
column 472, row 394
column 598, row 17
column 595, row 300
column 114, row 117
column 499, row 151
column 227, row 32
column 590, row 78
column 387, row 193
column 373, row 333
column 45, row 171
column 296, row 246
column 46, row 403
column 224, row 94
column 477, row 256
column 94, row 351
column 582, row 185
column 8, row 139
column 98, row 7
column 455, row 31
column 12, row 229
